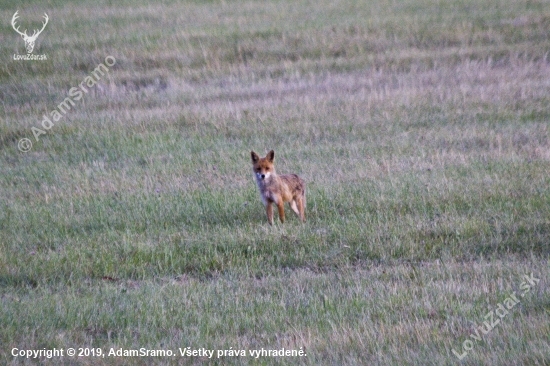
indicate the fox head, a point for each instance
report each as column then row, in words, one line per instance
column 263, row 167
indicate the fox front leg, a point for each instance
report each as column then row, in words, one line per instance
column 269, row 212
column 281, row 208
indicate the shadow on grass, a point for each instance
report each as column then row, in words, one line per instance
column 19, row 281
column 519, row 238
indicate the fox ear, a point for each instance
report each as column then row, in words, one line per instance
column 254, row 156
column 270, row 156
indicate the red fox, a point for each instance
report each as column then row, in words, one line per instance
column 278, row 189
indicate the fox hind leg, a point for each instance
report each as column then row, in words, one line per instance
column 294, row 207
column 301, row 209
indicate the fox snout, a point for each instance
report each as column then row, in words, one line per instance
column 262, row 176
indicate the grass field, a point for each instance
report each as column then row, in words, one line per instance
column 421, row 128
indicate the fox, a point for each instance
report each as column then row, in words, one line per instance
column 278, row 189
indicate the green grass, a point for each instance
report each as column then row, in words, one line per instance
column 420, row 127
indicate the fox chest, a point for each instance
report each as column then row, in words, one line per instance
column 274, row 193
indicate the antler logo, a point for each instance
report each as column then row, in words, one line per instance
column 29, row 40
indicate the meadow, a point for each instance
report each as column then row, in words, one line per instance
column 420, row 127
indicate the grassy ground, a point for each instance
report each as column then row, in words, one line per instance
column 421, row 129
